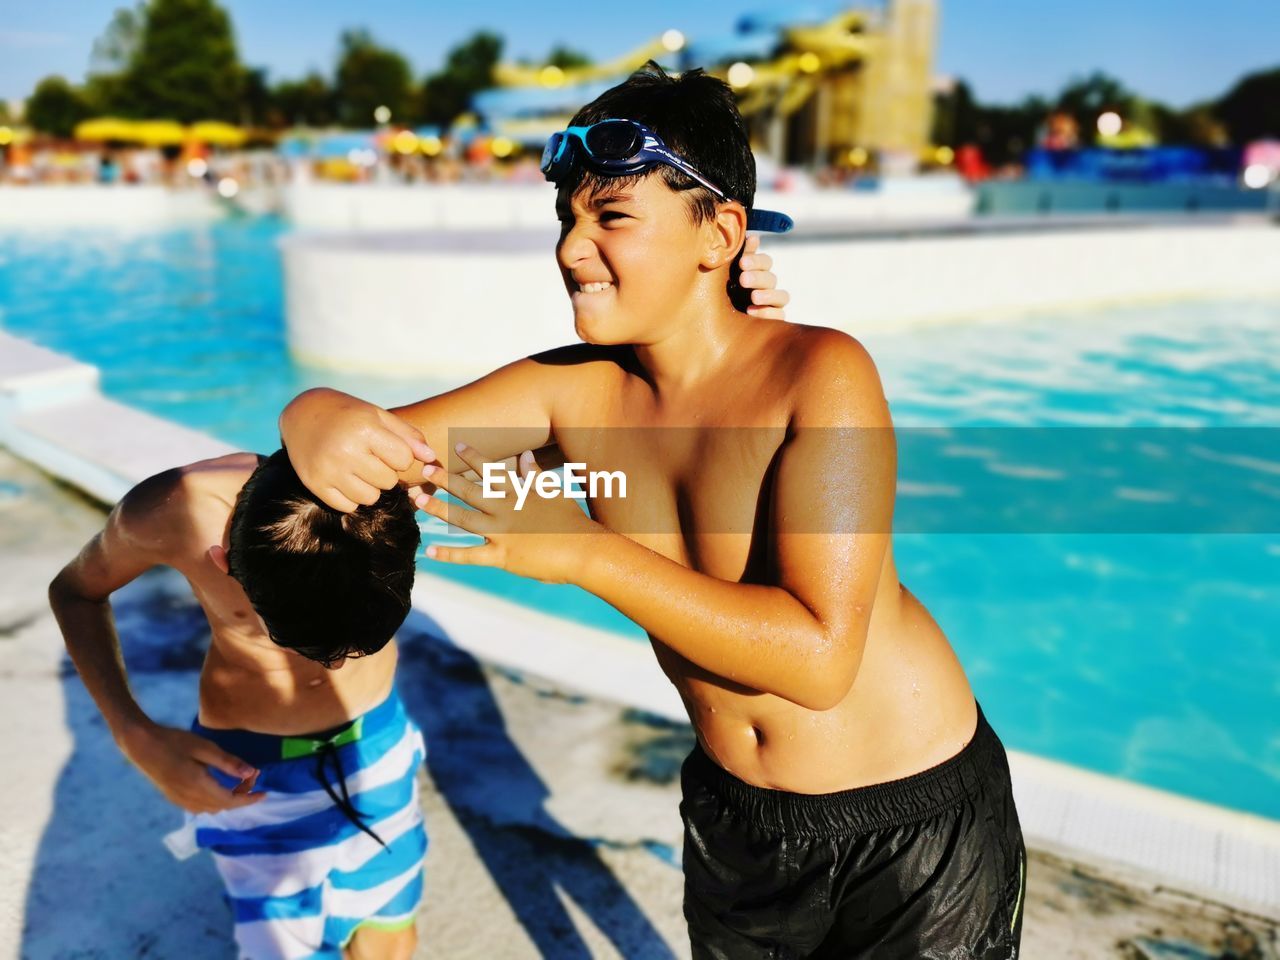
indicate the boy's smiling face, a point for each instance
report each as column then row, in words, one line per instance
column 630, row 257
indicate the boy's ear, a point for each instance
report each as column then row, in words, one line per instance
column 218, row 556
column 727, row 233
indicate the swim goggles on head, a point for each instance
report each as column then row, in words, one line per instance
column 617, row 148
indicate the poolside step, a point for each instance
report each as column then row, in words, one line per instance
column 103, row 446
column 1195, row 847
column 32, row 376
column 52, row 414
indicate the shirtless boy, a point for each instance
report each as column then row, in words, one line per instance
column 846, row 797
column 300, row 770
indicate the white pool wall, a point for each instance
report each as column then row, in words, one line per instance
column 397, row 302
column 93, row 205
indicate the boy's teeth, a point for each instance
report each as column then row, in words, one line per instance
column 596, row 287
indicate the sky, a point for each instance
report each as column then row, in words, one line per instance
column 1177, row 51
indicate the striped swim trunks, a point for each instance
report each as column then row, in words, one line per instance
column 337, row 844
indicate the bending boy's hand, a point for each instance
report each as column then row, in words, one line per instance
column 546, row 538
column 347, row 451
column 175, row 760
column 758, row 277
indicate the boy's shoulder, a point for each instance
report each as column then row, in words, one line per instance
column 826, row 347
column 165, row 511
column 835, row 374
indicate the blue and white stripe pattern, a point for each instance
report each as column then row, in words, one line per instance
column 300, row 874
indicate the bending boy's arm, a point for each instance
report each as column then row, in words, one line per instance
column 347, row 451
column 800, row 637
column 148, row 528
column 131, row 543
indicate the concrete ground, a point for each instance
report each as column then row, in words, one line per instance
column 553, row 817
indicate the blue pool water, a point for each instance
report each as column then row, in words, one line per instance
column 1152, row 657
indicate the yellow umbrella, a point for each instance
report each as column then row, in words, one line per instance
column 105, row 128
column 10, row 136
column 218, row 134
column 159, row 133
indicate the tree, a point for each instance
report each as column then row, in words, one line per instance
column 370, row 76
column 55, row 107
column 468, row 69
column 955, row 116
column 567, row 58
column 1086, row 98
column 257, row 108
column 307, row 102
column 1194, row 126
column 115, row 49
column 112, row 53
column 185, row 65
column 1251, row 109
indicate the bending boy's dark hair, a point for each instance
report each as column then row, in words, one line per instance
column 327, row 584
column 697, row 116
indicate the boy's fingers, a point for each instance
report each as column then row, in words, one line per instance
column 248, row 800
column 246, row 785
column 480, row 556
column 758, row 280
column 362, row 492
column 770, row 298
column 392, row 450
column 752, row 244
column 464, row 490
column 210, row 797
column 206, row 751
column 767, row 313
column 379, row 474
column 418, row 490
column 337, row 499
column 421, row 451
column 456, row 515
column 411, row 435
column 761, row 261
column 527, row 463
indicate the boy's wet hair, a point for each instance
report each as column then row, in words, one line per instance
column 697, row 116
column 327, row 584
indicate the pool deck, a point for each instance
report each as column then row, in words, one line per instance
column 53, row 415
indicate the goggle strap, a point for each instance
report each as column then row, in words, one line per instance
column 769, row 221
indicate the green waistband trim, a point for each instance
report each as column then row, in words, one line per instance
column 294, row 747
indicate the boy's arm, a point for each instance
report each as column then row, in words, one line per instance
column 348, row 451
column 146, row 529
column 800, row 637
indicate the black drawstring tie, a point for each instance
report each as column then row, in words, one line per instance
column 343, row 803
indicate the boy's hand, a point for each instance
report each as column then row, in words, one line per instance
column 758, row 277
column 546, row 539
column 175, row 760
column 347, row 451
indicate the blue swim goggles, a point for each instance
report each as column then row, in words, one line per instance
column 617, row 148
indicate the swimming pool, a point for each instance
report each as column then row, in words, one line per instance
column 1151, row 657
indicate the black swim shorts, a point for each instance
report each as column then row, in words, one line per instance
column 928, row 867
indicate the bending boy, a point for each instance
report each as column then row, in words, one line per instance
column 299, row 771
column 846, row 798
